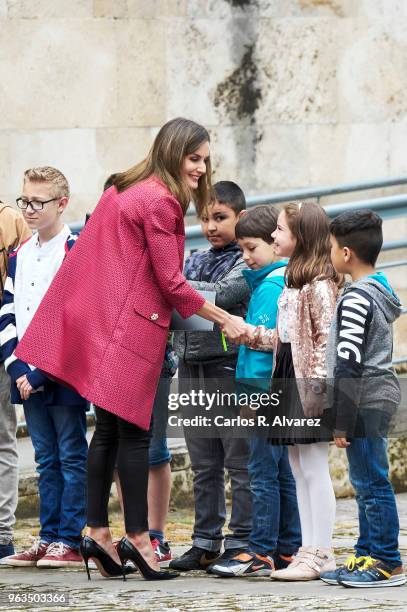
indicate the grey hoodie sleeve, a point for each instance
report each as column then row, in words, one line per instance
column 231, row 289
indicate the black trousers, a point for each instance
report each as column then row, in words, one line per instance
column 117, row 439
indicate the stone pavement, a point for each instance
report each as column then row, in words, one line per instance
column 199, row 591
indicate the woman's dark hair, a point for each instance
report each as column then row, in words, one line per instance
column 175, row 140
column 258, row 222
column 361, row 231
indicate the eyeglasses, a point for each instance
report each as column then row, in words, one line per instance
column 35, row 204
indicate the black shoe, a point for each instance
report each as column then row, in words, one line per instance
column 194, row 559
column 90, row 549
column 281, row 561
column 128, row 552
column 228, row 554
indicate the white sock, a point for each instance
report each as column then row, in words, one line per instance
column 303, row 499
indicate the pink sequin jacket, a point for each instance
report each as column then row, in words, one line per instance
column 311, row 310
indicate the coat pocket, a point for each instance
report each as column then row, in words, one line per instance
column 146, row 334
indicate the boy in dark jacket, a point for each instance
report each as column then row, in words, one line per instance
column 365, row 395
column 207, row 358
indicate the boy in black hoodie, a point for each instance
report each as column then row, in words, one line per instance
column 206, row 359
column 365, row 395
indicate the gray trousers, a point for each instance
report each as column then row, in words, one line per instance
column 210, row 456
column 8, row 460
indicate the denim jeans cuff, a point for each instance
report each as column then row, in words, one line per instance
column 231, row 543
column 212, row 545
column 71, row 543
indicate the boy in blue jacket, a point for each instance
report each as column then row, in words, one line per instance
column 276, row 532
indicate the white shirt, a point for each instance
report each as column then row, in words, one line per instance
column 36, row 267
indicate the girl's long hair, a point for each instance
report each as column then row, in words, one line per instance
column 311, row 259
column 176, row 139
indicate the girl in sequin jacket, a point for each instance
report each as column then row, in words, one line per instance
column 306, row 307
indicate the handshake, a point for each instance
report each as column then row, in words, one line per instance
column 239, row 332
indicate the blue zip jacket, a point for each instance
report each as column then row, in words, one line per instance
column 266, row 286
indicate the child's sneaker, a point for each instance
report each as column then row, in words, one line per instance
column 194, row 559
column 351, row 564
column 243, row 564
column 30, row 557
column 374, row 573
column 162, row 551
column 60, row 555
column 308, row 564
column 225, row 557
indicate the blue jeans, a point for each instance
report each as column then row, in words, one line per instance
column 276, row 522
column 378, row 517
column 159, row 453
column 58, row 434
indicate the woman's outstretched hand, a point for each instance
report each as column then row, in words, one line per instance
column 236, row 329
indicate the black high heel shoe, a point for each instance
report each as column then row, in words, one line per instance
column 104, row 562
column 127, row 551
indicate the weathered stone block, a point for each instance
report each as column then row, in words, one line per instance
column 194, row 47
column 297, row 70
column 116, row 9
column 120, row 148
column 140, row 9
column 5, row 168
column 397, row 148
column 331, row 8
column 71, row 151
column 234, row 154
column 44, row 9
column 372, row 71
column 141, row 76
column 306, row 8
column 282, row 157
column 49, row 83
column 347, row 152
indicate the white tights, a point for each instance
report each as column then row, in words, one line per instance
column 315, row 493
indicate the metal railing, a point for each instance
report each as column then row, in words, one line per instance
column 388, row 207
column 319, row 192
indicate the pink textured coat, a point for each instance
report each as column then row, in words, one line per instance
column 102, row 326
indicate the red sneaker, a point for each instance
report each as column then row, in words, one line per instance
column 162, row 551
column 61, row 555
column 30, row 557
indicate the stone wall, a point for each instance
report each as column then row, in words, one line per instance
column 294, row 92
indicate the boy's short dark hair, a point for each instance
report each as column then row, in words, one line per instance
column 360, row 231
column 229, row 193
column 258, row 222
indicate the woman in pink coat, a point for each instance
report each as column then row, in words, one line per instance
column 102, row 326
